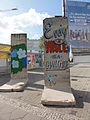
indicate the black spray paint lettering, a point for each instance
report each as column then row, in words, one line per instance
column 60, row 32
column 57, row 65
column 48, row 29
column 57, row 33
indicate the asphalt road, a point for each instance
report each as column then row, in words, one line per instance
column 81, row 59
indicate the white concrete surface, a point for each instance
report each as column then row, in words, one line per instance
column 14, row 85
column 56, row 97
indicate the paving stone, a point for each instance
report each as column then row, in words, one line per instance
column 31, row 117
column 30, row 99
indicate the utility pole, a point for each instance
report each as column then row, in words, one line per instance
column 64, row 8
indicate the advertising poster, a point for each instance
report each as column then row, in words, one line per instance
column 78, row 14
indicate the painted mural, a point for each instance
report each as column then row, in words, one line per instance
column 18, row 58
column 33, row 60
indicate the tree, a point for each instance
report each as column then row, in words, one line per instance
column 41, row 45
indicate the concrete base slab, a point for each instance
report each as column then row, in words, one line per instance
column 14, row 85
column 55, row 97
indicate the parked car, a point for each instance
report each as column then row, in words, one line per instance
column 70, row 55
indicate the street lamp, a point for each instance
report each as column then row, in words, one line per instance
column 13, row 9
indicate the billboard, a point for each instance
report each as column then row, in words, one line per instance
column 78, row 14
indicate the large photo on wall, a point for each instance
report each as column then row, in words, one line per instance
column 78, row 14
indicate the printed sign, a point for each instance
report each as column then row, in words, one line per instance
column 78, row 13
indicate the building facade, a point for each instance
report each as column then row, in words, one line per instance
column 5, row 57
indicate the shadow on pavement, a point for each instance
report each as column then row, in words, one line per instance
column 35, row 77
column 4, row 78
column 81, row 97
column 36, row 86
column 34, row 81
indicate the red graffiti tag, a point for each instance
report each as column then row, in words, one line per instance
column 52, row 47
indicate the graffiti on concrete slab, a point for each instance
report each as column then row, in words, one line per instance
column 51, row 80
column 56, row 65
column 18, row 58
column 56, row 38
column 47, row 33
column 56, row 45
column 56, row 56
column 52, row 47
column 56, row 33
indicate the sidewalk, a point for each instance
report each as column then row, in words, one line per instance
column 26, row 105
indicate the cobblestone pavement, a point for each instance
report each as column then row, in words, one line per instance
column 28, row 101
column 16, row 106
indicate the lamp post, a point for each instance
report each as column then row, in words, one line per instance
column 6, row 10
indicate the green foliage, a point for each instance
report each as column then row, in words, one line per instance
column 41, row 45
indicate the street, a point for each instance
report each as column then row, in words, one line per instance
column 26, row 105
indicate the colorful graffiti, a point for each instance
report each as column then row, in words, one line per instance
column 30, row 60
column 51, row 81
column 34, row 60
column 56, row 39
column 52, row 47
column 56, row 56
column 18, row 58
column 56, row 45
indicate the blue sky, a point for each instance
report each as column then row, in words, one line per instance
column 28, row 18
column 51, row 6
column 15, row 22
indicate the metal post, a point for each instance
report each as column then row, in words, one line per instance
column 64, row 8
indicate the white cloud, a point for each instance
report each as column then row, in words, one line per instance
column 17, row 23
